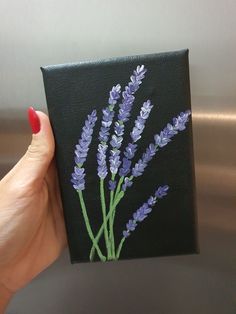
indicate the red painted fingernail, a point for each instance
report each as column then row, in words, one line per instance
column 33, row 120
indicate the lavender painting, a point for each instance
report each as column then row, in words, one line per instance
column 118, row 166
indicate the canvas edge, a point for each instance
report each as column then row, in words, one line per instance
column 114, row 59
column 196, row 231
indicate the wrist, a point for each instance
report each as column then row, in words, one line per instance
column 5, row 297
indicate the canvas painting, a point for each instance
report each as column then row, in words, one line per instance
column 124, row 154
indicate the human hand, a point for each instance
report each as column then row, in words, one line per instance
column 32, row 230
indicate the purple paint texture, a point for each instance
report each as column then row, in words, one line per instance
column 144, row 210
column 81, row 151
column 123, row 116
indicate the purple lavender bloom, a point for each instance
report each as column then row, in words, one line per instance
column 138, row 128
column 179, row 123
column 78, row 178
column 114, row 161
column 112, row 185
column 101, row 160
column 130, row 89
column 125, row 234
column 119, row 129
column 140, row 121
column 82, row 148
column 108, row 115
column 125, row 167
column 81, row 151
column 151, row 201
column 162, row 139
column 131, row 225
column 127, row 183
column 162, row 191
column 130, row 150
column 139, row 167
column 124, row 113
column 116, row 141
column 144, row 210
column 114, row 95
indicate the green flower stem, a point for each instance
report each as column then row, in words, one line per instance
column 119, row 186
column 111, row 231
column 120, row 247
column 111, row 236
column 112, row 218
column 104, row 214
column 101, row 230
column 88, row 227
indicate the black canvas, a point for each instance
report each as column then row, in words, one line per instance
column 125, row 157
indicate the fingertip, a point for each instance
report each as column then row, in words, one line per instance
column 45, row 134
column 34, row 120
column 44, row 121
column 43, row 117
column 38, row 120
column 46, row 128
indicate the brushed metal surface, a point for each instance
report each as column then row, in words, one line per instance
column 36, row 33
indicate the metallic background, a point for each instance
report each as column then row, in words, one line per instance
column 35, row 33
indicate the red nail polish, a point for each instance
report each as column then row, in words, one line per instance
column 33, row 120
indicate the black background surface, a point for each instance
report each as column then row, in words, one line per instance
column 72, row 92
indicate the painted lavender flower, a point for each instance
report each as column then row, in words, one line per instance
column 141, row 214
column 161, row 140
column 123, row 116
column 78, row 176
column 138, row 128
column 111, row 190
column 81, row 152
column 144, row 210
column 108, row 115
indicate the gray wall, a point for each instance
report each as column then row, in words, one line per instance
column 35, row 33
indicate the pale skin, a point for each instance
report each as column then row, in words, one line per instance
column 32, row 230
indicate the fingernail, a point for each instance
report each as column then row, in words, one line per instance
column 33, row 120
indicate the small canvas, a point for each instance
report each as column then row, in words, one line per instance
column 124, row 154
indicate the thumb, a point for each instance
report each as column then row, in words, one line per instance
column 32, row 167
